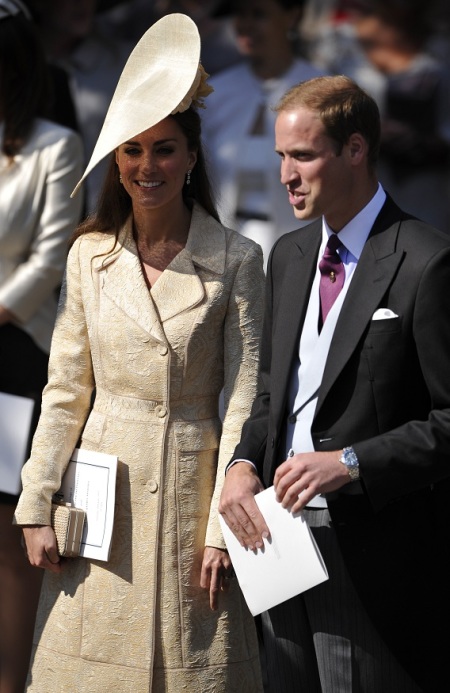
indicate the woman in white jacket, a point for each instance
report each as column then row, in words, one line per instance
column 39, row 164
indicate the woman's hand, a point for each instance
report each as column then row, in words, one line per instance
column 5, row 316
column 216, row 573
column 41, row 547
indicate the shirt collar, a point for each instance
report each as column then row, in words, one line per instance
column 354, row 234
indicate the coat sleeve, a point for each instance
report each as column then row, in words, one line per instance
column 242, row 333
column 65, row 404
column 252, row 445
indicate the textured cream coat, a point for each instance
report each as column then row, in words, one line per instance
column 158, row 361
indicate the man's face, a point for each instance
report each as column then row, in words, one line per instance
column 317, row 178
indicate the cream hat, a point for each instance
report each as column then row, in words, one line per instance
column 162, row 76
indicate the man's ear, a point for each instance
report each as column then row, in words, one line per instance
column 357, row 147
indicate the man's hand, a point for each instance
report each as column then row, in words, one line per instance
column 216, row 574
column 41, row 547
column 238, row 506
column 303, row 476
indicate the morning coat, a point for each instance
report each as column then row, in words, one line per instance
column 386, row 392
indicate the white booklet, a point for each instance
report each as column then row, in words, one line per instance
column 15, row 421
column 289, row 563
column 89, row 483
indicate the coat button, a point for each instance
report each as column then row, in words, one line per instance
column 292, row 419
column 152, row 486
column 160, row 411
column 163, row 350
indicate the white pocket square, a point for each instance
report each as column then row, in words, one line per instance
column 384, row 314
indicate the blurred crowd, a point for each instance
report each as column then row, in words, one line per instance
column 254, row 50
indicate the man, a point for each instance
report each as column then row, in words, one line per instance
column 359, row 392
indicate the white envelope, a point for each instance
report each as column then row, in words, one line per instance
column 15, row 421
column 289, row 564
column 384, row 314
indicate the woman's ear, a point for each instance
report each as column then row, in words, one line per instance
column 192, row 158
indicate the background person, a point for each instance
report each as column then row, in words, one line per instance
column 239, row 120
column 160, row 309
column 39, row 164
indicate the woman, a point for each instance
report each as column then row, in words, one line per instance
column 239, row 122
column 161, row 307
column 39, row 163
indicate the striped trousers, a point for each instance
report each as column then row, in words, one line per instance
column 322, row 641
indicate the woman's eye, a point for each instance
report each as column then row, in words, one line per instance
column 165, row 150
column 131, row 151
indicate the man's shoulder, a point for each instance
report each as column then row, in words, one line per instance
column 417, row 234
column 301, row 237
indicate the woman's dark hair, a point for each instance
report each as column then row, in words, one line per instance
column 114, row 205
column 24, row 81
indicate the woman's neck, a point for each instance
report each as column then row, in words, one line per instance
column 160, row 226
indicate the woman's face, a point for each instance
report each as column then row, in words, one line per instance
column 262, row 26
column 154, row 164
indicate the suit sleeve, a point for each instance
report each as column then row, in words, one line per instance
column 416, row 454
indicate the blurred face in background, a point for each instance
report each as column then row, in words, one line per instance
column 69, row 17
column 263, row 25
column 385, row 45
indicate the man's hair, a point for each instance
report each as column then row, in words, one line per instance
column 343, row 108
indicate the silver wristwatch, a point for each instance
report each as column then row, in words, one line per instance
column 350, row 460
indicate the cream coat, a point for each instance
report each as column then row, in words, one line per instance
column 158, row 360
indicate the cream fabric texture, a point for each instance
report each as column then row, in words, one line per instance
column 36, row 219
column 158, row 360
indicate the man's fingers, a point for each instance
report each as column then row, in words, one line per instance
column 247, row 524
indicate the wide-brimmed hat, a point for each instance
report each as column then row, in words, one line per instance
column 159, row 78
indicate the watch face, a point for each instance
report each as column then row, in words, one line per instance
column 351, row 462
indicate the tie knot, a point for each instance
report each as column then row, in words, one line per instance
column 333, row 244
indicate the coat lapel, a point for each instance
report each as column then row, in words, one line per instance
column 375, row 272
column 180, row 287
column 122, row 280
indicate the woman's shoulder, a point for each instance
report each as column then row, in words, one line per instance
column 92, row 243
column 46, row 133
column 212, row 238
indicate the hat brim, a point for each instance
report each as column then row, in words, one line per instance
column 157, row 76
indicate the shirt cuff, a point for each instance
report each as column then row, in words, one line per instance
column 228, row 467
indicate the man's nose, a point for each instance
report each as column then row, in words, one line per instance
column 288, row 171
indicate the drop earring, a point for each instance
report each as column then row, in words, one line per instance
column 120, row 178
column 188, row 177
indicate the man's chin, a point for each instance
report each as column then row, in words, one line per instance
column 301, row 213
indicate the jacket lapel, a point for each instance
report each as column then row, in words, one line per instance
column 289, row 313
column 375, row 272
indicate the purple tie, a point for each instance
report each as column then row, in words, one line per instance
column 332, row 276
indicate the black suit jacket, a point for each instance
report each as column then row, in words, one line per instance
column 386, row 392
